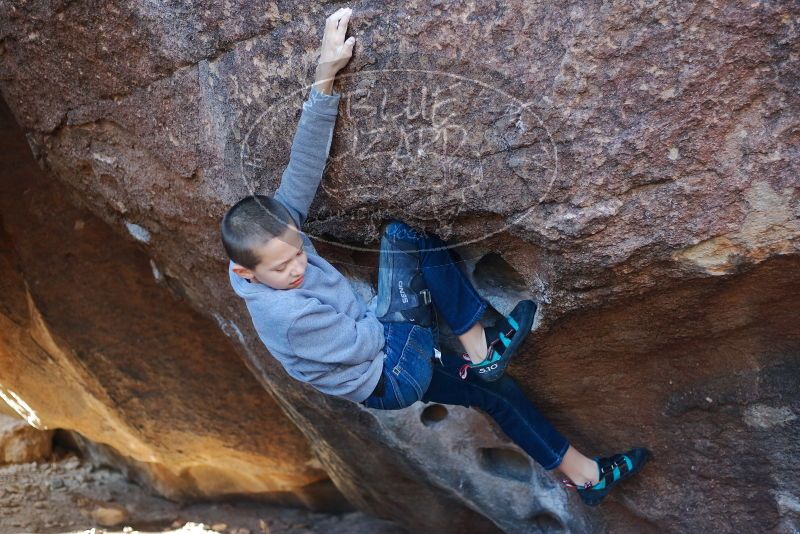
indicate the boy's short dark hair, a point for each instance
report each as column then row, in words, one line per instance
column 250, row 223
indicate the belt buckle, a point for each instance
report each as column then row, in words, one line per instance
column 426, row 296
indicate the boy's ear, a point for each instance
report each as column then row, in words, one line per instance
column 242, row 271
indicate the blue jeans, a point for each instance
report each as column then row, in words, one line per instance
column 411, row 373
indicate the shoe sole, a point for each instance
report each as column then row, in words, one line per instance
column 389, row 265
column 601, row 494
column 495, row 374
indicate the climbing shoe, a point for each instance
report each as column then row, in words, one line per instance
column 503, row 338
column 403, row 294
column 613, row 470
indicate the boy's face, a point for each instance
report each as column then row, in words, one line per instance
column 283, row 262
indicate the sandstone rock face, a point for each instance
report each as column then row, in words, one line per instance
column 93, row 340
column 633, row 167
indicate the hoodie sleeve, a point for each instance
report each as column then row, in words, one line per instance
column 322, row 334
column 309, row 153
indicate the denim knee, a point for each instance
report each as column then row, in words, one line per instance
column 408, row 367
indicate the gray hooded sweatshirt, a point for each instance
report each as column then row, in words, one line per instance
column 321, row 332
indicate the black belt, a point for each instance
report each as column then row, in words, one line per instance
column 378, row 391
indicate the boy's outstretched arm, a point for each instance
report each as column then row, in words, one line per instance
column 312, row 141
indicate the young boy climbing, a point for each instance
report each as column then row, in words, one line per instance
column 386, row 355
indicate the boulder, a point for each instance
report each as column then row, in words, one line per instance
column 22, row 443
column 96, row 339
column 631, row 166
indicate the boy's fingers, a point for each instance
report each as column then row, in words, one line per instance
column 336, row 15
column 333, row 20
column 345, row 18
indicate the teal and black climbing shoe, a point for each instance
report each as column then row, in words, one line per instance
column 613, row 470
column 503, row 338
column 403, row 294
